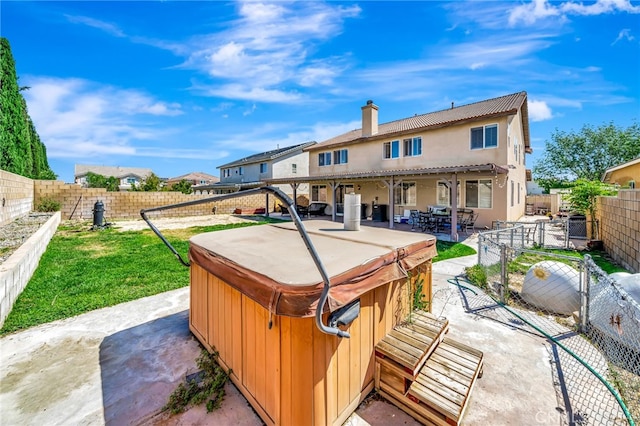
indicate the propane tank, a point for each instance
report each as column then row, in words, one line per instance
column 98, row 214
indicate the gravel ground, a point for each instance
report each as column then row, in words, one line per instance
column 13, row 234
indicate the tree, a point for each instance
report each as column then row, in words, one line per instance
column 21, row 150
column 183, row 186
column 585, row 155
column 584, row 199
column 95, row 180
column 151, row 184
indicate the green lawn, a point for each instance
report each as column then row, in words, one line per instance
column 84, row 270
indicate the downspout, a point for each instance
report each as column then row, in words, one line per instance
column 454, row 207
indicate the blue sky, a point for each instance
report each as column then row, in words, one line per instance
column 182, row 86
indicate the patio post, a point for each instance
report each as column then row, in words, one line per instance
column 454, row 207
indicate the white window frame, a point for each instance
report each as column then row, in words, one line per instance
column 406, row 194
column 388, row 148
column 226, row 172
column 294, row 168
column 412, row 146
column 341, row 156
column 323, row 157
column 486, row 128
column 488, row 183
column 263, row 168
column 446, row 201
column 240, row 170
column 316, row 193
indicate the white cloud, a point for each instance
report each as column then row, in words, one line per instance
column 539, row 111
column 95, row 23
column 250, row 110
column 624, row 34
column 538, row 10
column 78, row 118
column 270, row 47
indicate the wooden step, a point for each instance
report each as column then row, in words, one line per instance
column 404, row 350
column 441, row 390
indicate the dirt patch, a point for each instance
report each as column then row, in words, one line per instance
column 13, row 234
column 180, row 222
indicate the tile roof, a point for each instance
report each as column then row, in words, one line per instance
column 107, row 171
column 195, row 176
column 504, row 105
column 268, row 155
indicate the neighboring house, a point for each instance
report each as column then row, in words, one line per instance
column 254, row 170
column 127, row 175
column 412, row 163
column 195, row 178
column 626, row 175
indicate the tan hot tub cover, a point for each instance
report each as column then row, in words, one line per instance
column 271, row 265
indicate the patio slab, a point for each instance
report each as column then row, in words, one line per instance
column 118, row 365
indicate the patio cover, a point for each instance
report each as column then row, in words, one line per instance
column 271, row 265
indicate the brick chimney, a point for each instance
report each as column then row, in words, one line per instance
column 369, row 119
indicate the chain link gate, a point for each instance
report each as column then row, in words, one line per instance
column 592, row 324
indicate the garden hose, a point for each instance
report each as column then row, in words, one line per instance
column 455, row 281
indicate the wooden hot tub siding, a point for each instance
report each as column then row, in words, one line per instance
column 293, row 374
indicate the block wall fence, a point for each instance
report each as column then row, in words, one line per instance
column 78, row 202
column 620, row 227
column 16, row 196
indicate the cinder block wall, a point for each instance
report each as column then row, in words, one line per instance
column 78, row 202
column 16, row 271
column 16, row 196
column 620, row 227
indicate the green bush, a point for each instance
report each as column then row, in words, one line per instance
column 476, row 275
column 48, row 205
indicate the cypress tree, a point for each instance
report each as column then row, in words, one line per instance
column 21, row 151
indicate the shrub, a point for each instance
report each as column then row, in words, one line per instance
column 476, row 275
column 48, row 205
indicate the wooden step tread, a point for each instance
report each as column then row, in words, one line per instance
column 407, row 346
column 444, row 383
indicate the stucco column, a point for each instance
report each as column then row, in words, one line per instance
column 454, row 207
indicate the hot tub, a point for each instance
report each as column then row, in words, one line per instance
column 254, row 294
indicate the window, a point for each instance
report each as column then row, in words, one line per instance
column 240, row 171
column 263, row 167
column 319, row 193
column 324, row 159
column 443, row 197
column 405, row 194
column 131, row 180
column 484, row 137
column 294, row 168
column 513, row 190
column 518, row 193
column 391, row 149
column 478, row 193
column 202, row 182
column 340, row 157
column 226, row 172
column 412, row 147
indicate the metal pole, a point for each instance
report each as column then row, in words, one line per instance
column 503, row 272
column 585, row 281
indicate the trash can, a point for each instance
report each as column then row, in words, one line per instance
column 577, row 224
column 379, row 213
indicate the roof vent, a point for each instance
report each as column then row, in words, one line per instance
column 451, row 105
column 369, row 102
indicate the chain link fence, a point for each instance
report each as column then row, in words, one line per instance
column 564, row 233
column 592, row 323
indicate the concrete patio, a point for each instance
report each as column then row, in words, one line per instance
column 118, row 365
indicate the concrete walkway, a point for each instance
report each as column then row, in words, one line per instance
column 118, row 365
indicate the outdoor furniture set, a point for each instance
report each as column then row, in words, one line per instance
column 438, row 220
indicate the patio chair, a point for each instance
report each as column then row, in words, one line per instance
column 284, row 210
column 317, row 209
column 469, row 222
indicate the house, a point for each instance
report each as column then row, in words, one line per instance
column 413, row 163
column 195, row 178
column 127, row 175
column 252, row 171
column 626, row 175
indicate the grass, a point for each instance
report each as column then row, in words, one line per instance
column 522, row 263
column 449, row 250
column 83, row 270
